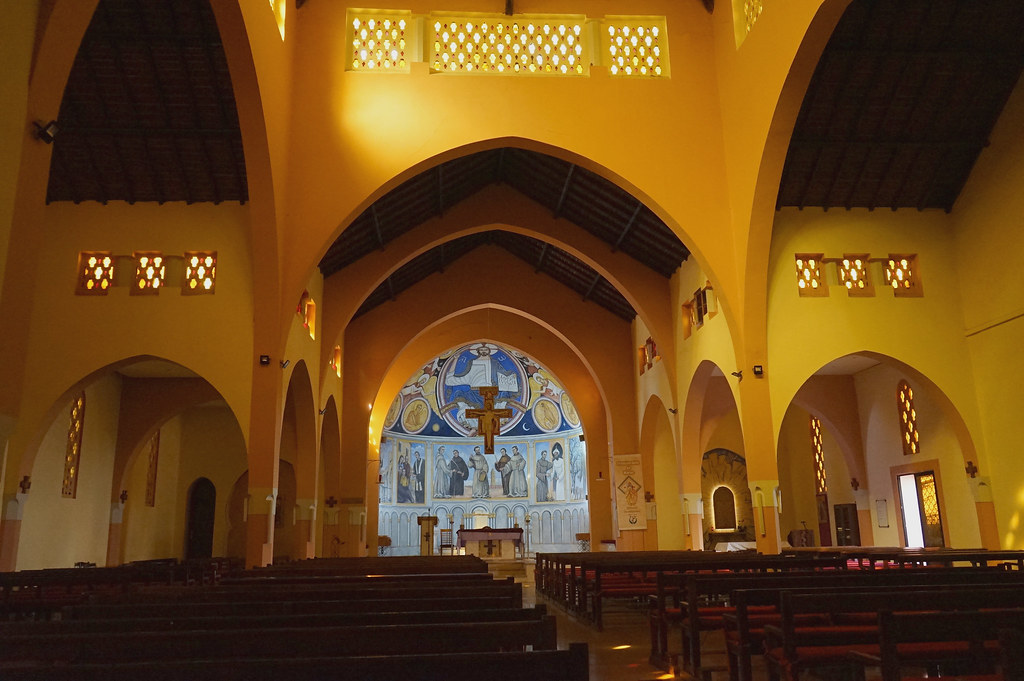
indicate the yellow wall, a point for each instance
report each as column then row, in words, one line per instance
column 796, row 475
column 989, row 241
column 59, row 531
column 149, row 531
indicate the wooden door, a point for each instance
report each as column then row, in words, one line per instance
column 847, row 525
column 202, row 509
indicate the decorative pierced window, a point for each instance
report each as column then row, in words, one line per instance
column 752, row 12
column 901, row 275
column 700, row 307
column 73, row 452
column 635, row 48
column 335, row 362
column 306, row 309
column 95, row 272
column 379, row 42
column 809, row 277
column 200, row 272
column 149, row 271
column 154, row 455
column 820, row 483
column 641, row 354
column 853, row 274
column 908, row 419
column 500, row 44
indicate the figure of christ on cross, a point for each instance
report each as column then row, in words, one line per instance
column 488, row 418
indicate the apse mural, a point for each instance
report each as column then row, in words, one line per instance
column 433, row 460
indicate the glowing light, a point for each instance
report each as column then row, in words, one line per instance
column 622, row 647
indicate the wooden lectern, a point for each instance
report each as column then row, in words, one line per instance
column 427, row 524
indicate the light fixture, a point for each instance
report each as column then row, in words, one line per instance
column 285, row 363
column 264, row 360
column 46, row 132
column 738, row 374
column 758, row 370
column 323, row 411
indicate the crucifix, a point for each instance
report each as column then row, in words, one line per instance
column 25, row 484
column 488, row 418
column 490, row 547
column 331, row 501
column 124, row 496
column 971, row 469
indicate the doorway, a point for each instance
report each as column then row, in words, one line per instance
column 202, row 509
column 847, row 525
column 919, row 502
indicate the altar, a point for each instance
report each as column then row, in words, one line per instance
column 489, row 542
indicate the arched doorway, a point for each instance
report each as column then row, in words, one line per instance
column 201, row 512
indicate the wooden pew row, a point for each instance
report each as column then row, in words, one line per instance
column 967, row 642
column 594, row 591
column 258, row 620
column 302, row 607
column 874, row 557
column 754, row 608
column 329, row 576
column 369, row 590
column 544, row 665
column 791, row 649
column 378, row 565
column 305, row 642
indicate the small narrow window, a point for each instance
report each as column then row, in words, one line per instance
column 149, row 272
column 335, row 362
column 95, row 272
column 820, row 482
column 810, row 280
column 73, row 452
column 200, row 272
column 154, row 455
column 908, row 419
column 853, row 274
column 901, row 274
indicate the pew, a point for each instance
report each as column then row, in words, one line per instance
column 259, row 620
column 543, row 665
column 790, row 649
column 211, row 644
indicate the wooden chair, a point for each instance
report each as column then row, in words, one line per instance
column 447, row 542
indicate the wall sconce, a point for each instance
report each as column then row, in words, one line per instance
column 47, row 132
column 758, row 370
column 264, row 360
column 322, row 411
column 285, row 363
column 737, row 374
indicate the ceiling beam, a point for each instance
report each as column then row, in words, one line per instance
column 440, row 190
column 565, row 190
column 593, row 284
column 391, row 288
column 376, row 225
column 629, row 226
column 540, row 259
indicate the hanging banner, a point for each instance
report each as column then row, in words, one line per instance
column 629, row 492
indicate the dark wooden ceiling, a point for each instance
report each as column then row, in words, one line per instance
column 902, row 102
column 567, row 190
column 149, row 113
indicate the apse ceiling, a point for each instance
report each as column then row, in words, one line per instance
column 902, row 102
column 567, row 190
column 149, row 113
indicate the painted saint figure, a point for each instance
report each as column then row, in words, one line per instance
column 459, row 474
column 484, row 370
column 557, row 474
column 404, row 480
column 419, row 477
column 516, row 469
column 544, row 466
column 442, row 475
column 500, row 466
column 478, row 463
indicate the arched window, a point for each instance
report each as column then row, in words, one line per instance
column 73, row 453
column 908, row 419
column 725, row 508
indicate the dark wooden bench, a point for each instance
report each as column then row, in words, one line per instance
column 753, row 609
column 329, row 577
column 374, row 565
column 305, row 642
column 259, row 620
column 790, row 648
column 545, row 665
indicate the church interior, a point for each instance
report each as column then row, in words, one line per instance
column 749, row 265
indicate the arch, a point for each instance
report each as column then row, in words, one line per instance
column 330, row 460
column 200, row 516
column 724, row 503
column 299, row 443
column 659, row 452
column 838, row 394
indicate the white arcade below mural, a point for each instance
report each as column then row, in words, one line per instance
column 433, row 462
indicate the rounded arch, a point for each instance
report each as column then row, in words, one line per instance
column 660, row 455
column 299, row 445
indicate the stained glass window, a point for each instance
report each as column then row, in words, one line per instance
column 853, row 274
column 335, row 362
column 901, row 275
column 153, row 456
column 635, row 47
column 149, row 271
column 520, row 45
column 908, row 419
column 200, row 272
column 73, row 451
column 95, row 272
column 820, row 482
column 810, row 280
column 379, row 42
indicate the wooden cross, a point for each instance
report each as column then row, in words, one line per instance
column 648, row 497
column 490, row 547
column 124, row 496
column 331, row 501
column 488, row 418
column 971, row 469
column 25, row 484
